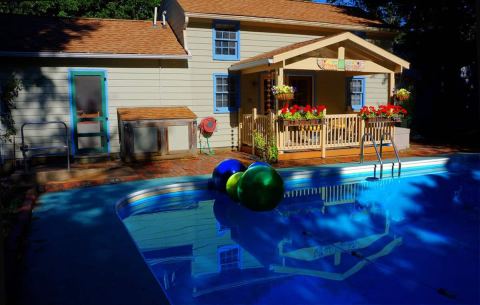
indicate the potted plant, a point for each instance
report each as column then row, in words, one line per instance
column 283, row 93
column 401, row 95
column 299, row 116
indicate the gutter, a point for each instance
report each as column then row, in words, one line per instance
column 290, row 22
column 90, row 55
column 252, row 64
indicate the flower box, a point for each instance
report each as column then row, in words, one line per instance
column 305, row 122
column 369, row 121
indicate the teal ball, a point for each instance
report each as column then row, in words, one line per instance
column 260, row 188
column 232, row 184
column 258, row 163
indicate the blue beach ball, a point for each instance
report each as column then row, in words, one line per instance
column 224, row 170
column 258, row 163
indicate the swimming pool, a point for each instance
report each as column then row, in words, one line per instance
column 334, row 239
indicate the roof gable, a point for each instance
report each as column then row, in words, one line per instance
column 301, row 48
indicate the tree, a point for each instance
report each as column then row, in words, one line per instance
column 439, row 39
column 125, row 9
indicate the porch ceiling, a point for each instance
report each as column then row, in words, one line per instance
column 354, row 48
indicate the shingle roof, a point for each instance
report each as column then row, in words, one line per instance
column 86, row 35
column 283, row 9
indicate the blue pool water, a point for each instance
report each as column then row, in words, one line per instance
column 332, row 240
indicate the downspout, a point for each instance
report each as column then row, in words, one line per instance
column 185, row 44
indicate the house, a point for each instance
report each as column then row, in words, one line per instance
column 218, row 58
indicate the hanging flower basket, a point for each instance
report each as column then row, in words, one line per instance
column 283, row 93
column 285, row 97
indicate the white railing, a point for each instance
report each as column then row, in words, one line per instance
column 338, row 131
column 343, row 130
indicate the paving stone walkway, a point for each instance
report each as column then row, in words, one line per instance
column 116, row 171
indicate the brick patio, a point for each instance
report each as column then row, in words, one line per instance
column 116, row 171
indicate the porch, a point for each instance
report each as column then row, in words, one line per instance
column 331, row 71
column 336, row 135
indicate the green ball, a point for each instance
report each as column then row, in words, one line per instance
column 260, row 188
column 232, row 184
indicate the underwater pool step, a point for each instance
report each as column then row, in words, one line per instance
column 357, row 168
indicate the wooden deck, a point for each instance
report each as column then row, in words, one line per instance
column 336, row 135
column 310, row 154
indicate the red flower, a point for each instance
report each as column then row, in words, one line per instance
column 320, row 108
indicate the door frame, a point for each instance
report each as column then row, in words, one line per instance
column 310, row 74
column 73, row 114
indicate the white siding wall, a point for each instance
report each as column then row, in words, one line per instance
column 45, row 96
column 376, row 89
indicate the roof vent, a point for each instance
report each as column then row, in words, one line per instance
column 155, row 16
column 164, row 22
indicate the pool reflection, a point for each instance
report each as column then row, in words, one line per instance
column 214, row 245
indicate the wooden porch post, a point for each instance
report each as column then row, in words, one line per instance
column 279, row 82
column 391, row 87
column 324, row 140
column 254, row 119
column 240, row 125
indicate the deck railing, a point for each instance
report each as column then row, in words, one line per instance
column 338, row 131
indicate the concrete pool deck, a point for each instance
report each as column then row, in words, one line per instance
column 79, row 252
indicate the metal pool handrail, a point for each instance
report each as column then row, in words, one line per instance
column 379, row 157
column 394, row 149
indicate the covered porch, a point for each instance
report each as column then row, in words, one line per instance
column 343, row 72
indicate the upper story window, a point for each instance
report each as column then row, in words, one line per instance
column 226, row 40
column 356, row 92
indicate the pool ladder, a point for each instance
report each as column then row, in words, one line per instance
column 380, row 154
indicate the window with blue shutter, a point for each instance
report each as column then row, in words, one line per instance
column 356, row 92
column 226, row 40
column 229, row 258
column 226, row 97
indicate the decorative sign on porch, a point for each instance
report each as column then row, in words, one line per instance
column 327, row 64
column 354, row 65
column 332, row 64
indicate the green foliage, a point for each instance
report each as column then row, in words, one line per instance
column 266, row 147
column 439, row 40
column 8, row 93
column 122, row 9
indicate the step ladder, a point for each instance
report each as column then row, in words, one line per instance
column 380, row 153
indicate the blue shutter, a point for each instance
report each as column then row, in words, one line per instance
column 356, row 92
column 226, row 92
